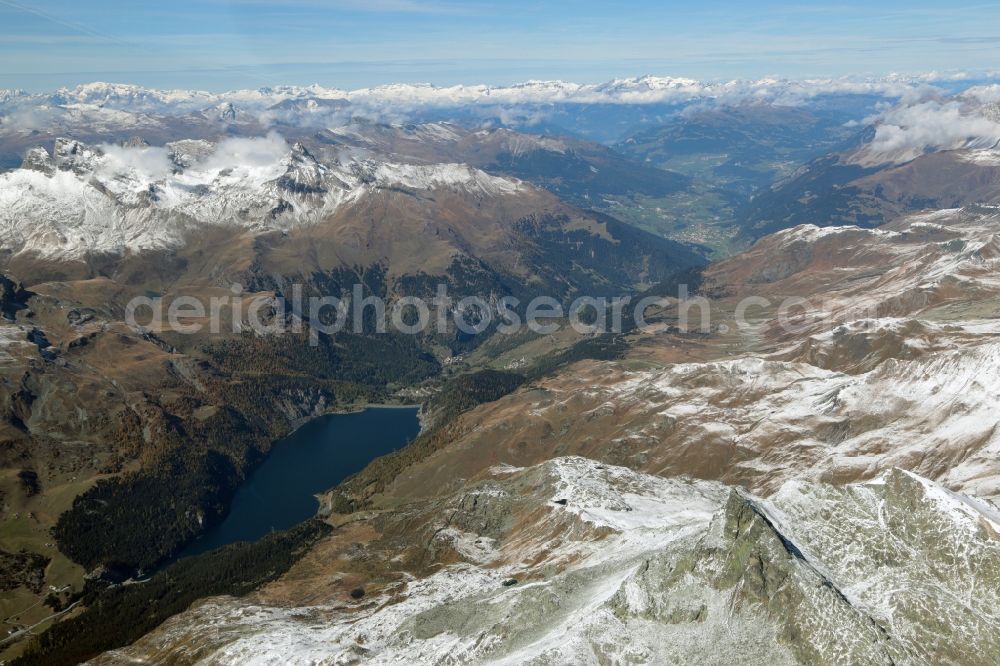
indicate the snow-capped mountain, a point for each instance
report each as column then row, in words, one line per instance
column 315, row 104
column 135, row 98
column 85, row 199
column 641, row 89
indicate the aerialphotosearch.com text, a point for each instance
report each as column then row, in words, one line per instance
column 360, row 312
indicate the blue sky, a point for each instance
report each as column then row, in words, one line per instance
column 225, row 44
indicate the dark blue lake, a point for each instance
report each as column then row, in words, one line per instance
column 313, row 459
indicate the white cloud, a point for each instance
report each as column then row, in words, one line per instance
column 634, row 90
column 989, row 94
column 520, row 104
column 639, row 90
column 316, row 106
column 319, row 115
column 250, row 153
column 236, row 161
column 148, row 163
column 907, row 131
column 26, row 118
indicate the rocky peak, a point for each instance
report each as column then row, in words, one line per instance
column 38, row 159
column 301, row 153
column 226, row 112
column 304, row 173
column 186, row 152
column 72, row 155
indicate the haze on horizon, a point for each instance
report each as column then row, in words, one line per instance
column 225, row 44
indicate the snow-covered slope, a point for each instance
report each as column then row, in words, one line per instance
column 111, row 198
column 592, row 564
column 763, row 421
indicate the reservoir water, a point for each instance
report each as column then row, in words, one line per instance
column 313, row 459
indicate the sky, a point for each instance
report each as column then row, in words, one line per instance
column 221, row 45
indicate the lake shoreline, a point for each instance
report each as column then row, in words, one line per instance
column 351, row 409
column 316, row 456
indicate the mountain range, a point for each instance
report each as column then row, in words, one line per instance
column 809, row 477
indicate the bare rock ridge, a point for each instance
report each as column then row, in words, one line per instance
column 608, row 565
